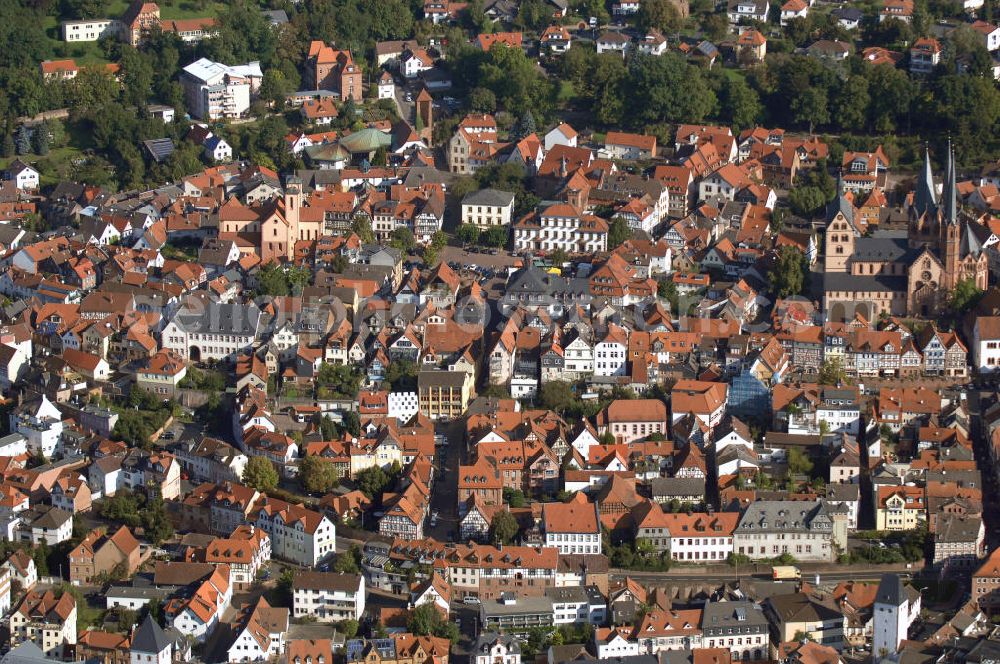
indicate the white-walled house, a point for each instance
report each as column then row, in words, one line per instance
column 24, row 176
column 329, row 596
column 150, row 644
column 986, row 344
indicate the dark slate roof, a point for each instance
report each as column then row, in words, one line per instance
column 973, row 237
column 891, row 590
column 220, row 318
column 149, row 638
column 490, row 197
column 880, row 249
column 841, row 281
column 159, row 148
column 848, row 13
column 487, row 640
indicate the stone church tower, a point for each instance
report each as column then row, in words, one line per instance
column 840, row 232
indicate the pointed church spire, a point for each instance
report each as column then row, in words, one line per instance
column 924, row 199
column 840, row 203
column 949, row 193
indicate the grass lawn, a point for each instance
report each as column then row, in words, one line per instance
column 733, row 73
column 177, row 10
column 89, row 53
column 57, row 165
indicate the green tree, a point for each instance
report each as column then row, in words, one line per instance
column 41, row 139
column 798, row 462
column 810, row 108
column 402, row 239
column 462, row 186
column 525, row 126
column 494, row 236
column 390, row 19
column 660, row 15
column 740, row 103
column 514, row 497
column 328, row 428
column 851, row 104
column 618, row 232
column 789, row 272
column 352, row 423
column 716, row 26
column 362, row 227
column 557, row 395
column 23, row 140
column 271, row 280
column 348, row 562
column 606, row 84
column 317, row 475
column 482, row 100
column 349, row 628
column 40, row 554
column 831, row 372
column 672, row 89
column 964, row 297
column 260, row 474
column 422, row 620
column 503, row 528
column 467, row 234
column 155, row 520
column 371, row 481
column 340, row 380
column 806, row 201
column 275, row 87
column 401, row 376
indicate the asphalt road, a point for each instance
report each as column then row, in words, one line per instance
column 444, row 497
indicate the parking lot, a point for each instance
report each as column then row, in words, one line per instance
column 481, row 259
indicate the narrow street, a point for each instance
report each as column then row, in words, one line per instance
column 444, row 498
column 978, row 400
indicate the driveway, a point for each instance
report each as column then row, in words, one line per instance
column 406, row 111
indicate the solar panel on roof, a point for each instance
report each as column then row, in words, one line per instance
column 159, row 148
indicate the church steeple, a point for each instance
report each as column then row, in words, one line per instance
column 949, row 193
column 924, row 199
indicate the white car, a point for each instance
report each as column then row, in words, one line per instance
column 470, row 599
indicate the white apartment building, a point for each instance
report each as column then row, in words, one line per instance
column 215, row 91
column 212, row 331
column 40, row 422
column 612, row 642
column 578, row 356
column 561, row 226
column 329, row 596
column 769, row 528
column 403, row 405
column 298, row 534
column 488, row 207
column 611, row 352
column 91, row 30
column 572, row 527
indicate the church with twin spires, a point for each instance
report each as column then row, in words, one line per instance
column 897, row 272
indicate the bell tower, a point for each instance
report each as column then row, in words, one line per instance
column 425, row 116
column 950, row 228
